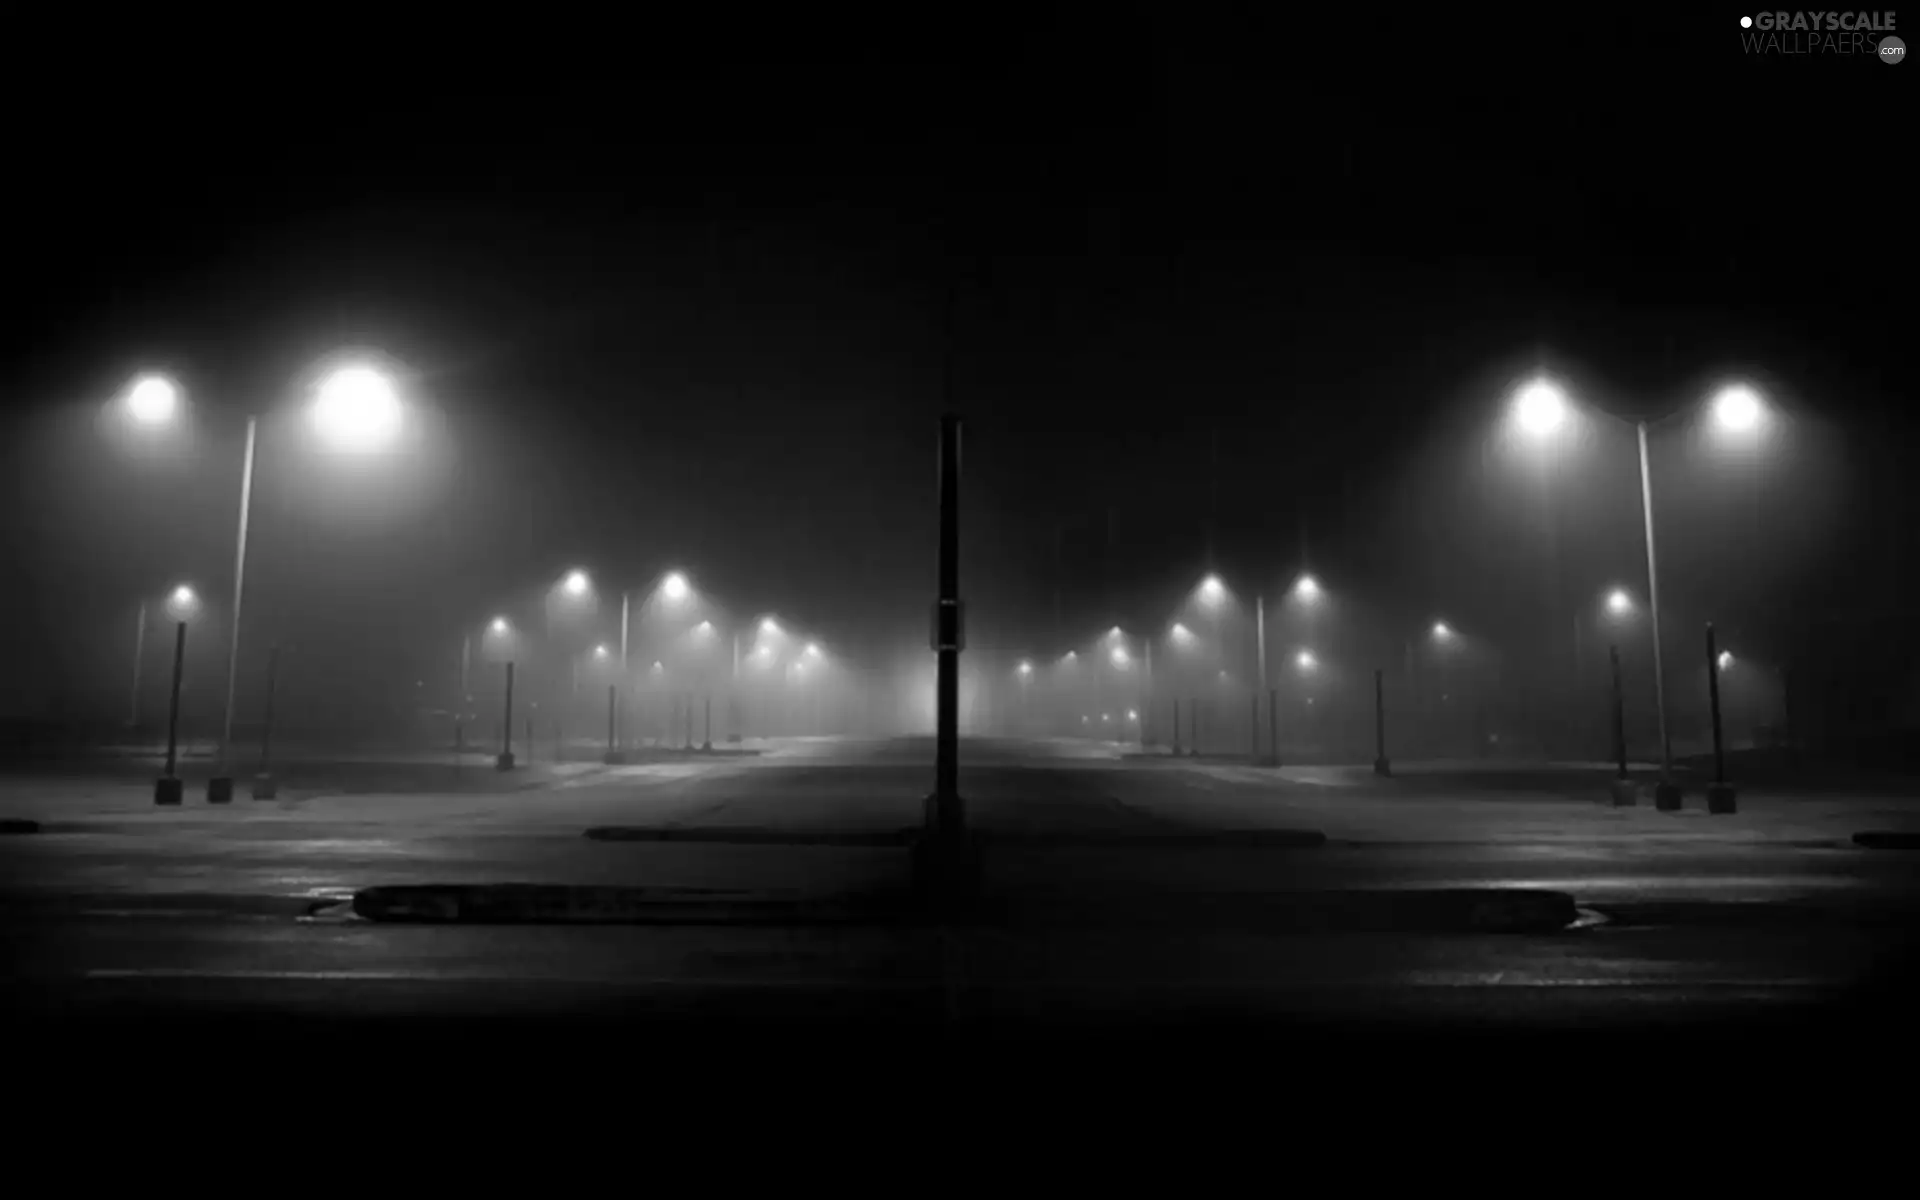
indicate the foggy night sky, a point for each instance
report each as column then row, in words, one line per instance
column 690, row 309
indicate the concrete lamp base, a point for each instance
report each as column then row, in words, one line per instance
column 265, row 786
column 1720, row 798
column 503, row 761
column 615, row 758
column 1666, row 796
column 1625, row 793
column 220, row 789
column 167, row 790
column 1382, row 767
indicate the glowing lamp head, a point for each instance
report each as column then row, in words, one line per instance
column 1737, row 408
column 675, row 587
column 1070, row 657
column 576, row 583
column 1181, row 634
column 1305, row 660
column 812, row 650
column 1212, row 591
column 356, row 408
column 1133, row 714
column 1307, row 588
column 1441, row 631
column 182, row 603
column 600, row 652
column 1119, row 657
column 1619, row 603
column 1539, row 407
column 152, row 400
column 1725, row 659
column 498, row 627
column 769, row 627
column 659, row 668
column 704, row 629
column 1025, row 668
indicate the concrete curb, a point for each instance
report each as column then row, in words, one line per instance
column 744, row 835
column 18, row 825
column 1432, row 911
column 1229, row 839
column 1887, row 839
column 200, row 904
column 531, row 904
column 1224, row 839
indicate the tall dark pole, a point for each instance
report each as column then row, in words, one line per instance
column 613, row 717
column 1176, row 727
column 460, row 708
column 1380, row 764
column 1253, row 725
column 1720, row 797
column 1667, row 794
column 166, row 790
column 708, row 743
column 1273, row 722
column 139, row 649
column 1624, row 794
column 264, row 786
column 949, row 815
column 505, row 760
column 946, row 865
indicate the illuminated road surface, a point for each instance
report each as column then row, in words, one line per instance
column 118, row 903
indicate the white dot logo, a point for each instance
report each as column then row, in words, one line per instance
column 1746, row 22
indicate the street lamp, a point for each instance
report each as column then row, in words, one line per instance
column 1441, row 632
column 1025, row 668
column 1307, row 589
column 1540, row 407
column 182, row 605
column 152, row 399
column 1737, row 407
column 1119, row 657
column 355, row 407
column 1305, row 660
column 675, row 587
column 1725, row 660
column 576, row 583
column 1212, row 591
column 1619, row 603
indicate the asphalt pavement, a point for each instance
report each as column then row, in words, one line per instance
column 1098, row 914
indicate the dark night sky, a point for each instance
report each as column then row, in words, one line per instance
column 683, row 301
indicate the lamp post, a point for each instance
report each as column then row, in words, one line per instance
column 265, row 787
column 182, row 605
column 139, row 651
column 1540, row 408
column 355, row 407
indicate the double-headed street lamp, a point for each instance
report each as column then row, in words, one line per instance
column 1541, row 408
column 355, row 407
